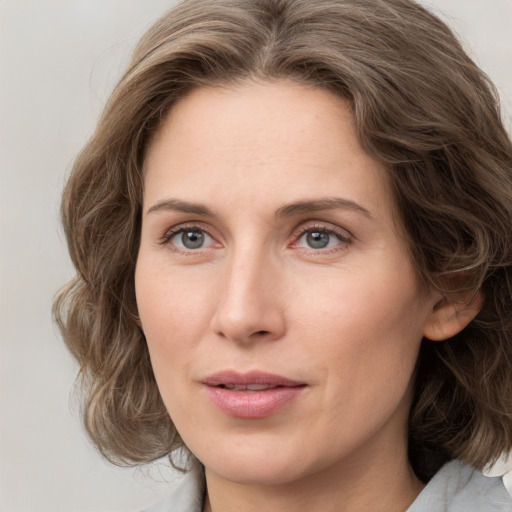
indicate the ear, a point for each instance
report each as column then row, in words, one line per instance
column 449, row 317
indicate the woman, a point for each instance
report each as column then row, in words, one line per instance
column 292, row 231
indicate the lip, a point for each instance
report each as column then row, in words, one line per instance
column 251, row 404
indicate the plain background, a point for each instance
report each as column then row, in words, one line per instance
column 59, row 60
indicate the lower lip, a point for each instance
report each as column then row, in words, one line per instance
column 252, row 404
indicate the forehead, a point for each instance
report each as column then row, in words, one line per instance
column 253, row 116
column 265, row 142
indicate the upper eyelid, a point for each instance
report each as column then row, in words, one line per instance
column 183, row 226
column 323, row 225
column 179, row 228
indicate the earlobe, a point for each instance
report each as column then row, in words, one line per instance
column 449, row 317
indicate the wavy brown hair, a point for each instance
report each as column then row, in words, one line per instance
column 421, row 107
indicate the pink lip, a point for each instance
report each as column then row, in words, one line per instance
column 251, row 404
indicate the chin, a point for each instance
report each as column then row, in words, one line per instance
column 252, row 463
column 264, row 472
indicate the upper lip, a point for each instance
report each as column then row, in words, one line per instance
column 235, row 378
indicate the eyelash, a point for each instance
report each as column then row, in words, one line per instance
column 344, row 238
column 171, row 233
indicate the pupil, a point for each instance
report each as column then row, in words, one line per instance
column 192, row 239
column 318, row 240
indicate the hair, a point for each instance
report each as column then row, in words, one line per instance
column 421, row 107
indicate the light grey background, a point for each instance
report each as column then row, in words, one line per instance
column 59, row 60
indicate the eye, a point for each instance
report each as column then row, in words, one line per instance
column 318, row 238
column 190, row 239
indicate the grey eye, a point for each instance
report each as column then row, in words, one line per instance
column 318, row 239
column 191, row 239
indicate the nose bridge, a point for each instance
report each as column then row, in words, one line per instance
column 249, row 305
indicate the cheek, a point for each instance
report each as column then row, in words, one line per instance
column 367, row 330
column 170, row 307
column 173, row 314
column 171, row 328
column 369, row 306
column 364, row 351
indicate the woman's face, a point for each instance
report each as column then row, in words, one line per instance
column 281, row 308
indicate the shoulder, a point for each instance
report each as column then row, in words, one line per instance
column 458, row 487
column 186, row 497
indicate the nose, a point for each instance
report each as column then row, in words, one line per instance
column 250, row 304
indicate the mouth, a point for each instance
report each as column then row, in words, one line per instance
column 250, row 381
column 248, row 387
column 251, row 395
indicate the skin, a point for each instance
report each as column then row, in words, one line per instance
column 347, row 319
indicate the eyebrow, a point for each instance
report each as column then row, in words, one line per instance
column 288, row 210
column 181, row 206
column 328, row 203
